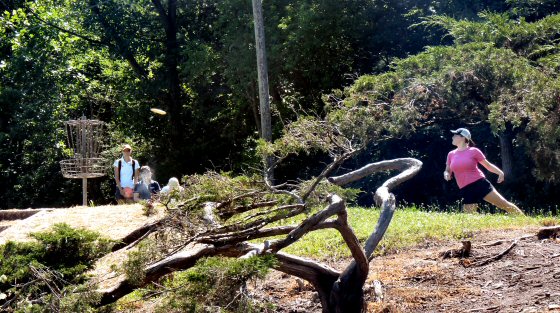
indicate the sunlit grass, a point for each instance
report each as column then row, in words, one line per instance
column 409, row 227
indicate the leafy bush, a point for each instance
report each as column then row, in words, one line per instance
column 37, row 272
column 133, row 268
column 215, row 282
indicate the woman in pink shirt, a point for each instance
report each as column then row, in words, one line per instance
column 473, row 185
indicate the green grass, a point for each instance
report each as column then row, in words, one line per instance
column 408, row 228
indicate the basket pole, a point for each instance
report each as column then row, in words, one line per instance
column 84, row 191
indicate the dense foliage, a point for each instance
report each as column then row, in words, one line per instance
column 500, row 76
column 33, row 275
column 113, row 60
column 216, row 283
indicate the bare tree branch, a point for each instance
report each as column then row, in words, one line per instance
column 241, row 196
column 137, row 234
column 273, row 189
column 240, row 227
column 355, row 275
column 245, row 208
column 337, row 204
column 408, row 166
column 179, row 261
column 320, row 276
column 334, row 165
column 354, row 244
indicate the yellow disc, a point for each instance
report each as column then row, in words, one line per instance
column 158, row 111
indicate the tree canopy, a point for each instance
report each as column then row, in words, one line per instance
column 113, row 60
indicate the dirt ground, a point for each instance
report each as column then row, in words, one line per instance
column 526, row 279
column 114, row 222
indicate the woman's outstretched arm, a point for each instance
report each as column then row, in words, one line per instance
column 494, row 169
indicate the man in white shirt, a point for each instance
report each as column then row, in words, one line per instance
column 126, row 174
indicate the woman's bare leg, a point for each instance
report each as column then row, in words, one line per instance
column 470, row 208
column 496, row 199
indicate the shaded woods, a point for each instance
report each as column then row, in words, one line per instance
column 495, row 73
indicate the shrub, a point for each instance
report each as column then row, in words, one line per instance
column 37, row 272
column 216, row 283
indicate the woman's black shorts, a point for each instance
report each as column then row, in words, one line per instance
column 476, row 191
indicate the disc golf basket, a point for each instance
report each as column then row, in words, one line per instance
column 84, row 138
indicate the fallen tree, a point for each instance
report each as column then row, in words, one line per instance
column 336, row 290
column 217, row 215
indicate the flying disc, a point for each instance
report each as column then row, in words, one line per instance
column 158, row 111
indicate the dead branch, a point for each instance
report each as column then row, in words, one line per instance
column 230, row 201
column 245, row 208
column 329, row 169
column 314, row 272
column 353, row 277
column 137, row 235
column 281, row 208
column 353, row 243
column 388, row 209
column 269, row 232
column 404, row 164
column 494, row 258
column 226, row 231
column 499, row 242
column 320, row 276
column 231, row 241
column 273, row 189
column 178, row 261
column 548, row 232
column 463, row 252
column 408, row 166
column 337, row 205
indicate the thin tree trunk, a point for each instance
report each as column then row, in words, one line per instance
column 506, row 149
column 173, row 97
column 262, row 72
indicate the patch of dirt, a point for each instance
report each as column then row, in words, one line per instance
column 526, row 279
column 111, row 221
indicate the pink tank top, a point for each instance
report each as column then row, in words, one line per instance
column 464, row 165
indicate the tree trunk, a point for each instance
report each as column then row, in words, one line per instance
column 173, row 97
column 262, row 72
column 347, row 292
column 506, row 149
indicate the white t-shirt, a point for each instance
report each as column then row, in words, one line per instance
column 126, row 172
